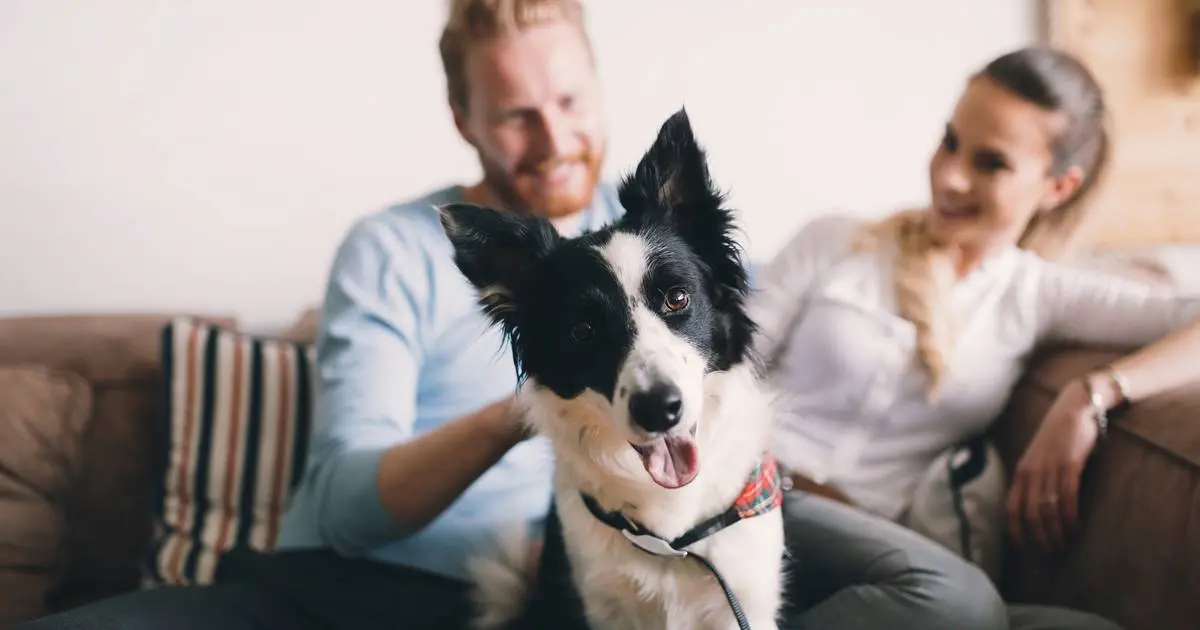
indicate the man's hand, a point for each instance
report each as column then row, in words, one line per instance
column 509, row 419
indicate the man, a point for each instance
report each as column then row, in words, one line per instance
column 415, row 456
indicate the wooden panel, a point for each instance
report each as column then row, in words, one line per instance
column 1142, row 53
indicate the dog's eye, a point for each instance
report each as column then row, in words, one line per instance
column 581, row 331
column 676, row 300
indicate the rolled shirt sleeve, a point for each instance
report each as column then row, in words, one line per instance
column 369, row 354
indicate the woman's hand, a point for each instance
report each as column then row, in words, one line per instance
column 1043, row 503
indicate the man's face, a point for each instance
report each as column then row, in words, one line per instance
column 534, row 115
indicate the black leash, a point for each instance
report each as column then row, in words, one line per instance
column 651, row 543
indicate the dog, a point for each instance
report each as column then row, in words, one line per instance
column 633, row 347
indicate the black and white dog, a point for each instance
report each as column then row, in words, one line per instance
column 633, row 343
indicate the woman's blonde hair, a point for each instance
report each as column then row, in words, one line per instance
column 925, row 270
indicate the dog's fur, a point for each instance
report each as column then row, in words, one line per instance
column 594, row 323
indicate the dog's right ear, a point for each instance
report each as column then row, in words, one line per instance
column 496, row 250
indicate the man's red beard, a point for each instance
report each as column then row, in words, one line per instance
column 521, row 193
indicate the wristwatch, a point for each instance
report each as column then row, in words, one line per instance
column 1100, row 410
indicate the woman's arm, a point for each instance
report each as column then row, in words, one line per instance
column 1088, row 307
column 1163, row 327
column 780, row 286
column 1169, row 363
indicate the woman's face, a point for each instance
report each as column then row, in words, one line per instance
column 992, row 170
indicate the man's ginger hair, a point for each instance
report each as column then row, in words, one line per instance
column 471, row 21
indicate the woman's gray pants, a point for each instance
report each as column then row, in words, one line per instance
column 850, row 570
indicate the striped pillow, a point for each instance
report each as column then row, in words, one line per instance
column 232, row 441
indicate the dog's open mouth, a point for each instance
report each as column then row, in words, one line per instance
column 672, row 461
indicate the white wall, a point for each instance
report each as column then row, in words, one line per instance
column 157, row 154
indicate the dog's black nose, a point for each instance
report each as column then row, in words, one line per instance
column 656, row 409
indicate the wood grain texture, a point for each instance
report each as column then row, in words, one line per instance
column 1141, row 52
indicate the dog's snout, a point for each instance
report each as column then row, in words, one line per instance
column 656, row 409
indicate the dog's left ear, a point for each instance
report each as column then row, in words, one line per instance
column 671, row 183
column 496, row 250
column 672, row 177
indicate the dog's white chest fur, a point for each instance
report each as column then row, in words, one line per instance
column 623, row 586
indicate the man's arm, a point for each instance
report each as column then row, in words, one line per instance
column 373, row 479
column 420, row 478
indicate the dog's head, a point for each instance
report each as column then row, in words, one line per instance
column 635, row 315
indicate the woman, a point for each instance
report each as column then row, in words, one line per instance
column 893, row 341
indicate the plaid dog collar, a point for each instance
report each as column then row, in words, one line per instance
column 762, row 493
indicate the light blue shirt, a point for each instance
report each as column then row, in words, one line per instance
column 403, row 348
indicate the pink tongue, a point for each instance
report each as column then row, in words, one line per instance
column 672, row 462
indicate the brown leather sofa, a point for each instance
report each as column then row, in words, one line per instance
column 78, row 396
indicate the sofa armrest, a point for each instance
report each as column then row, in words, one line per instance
column 1136, row 558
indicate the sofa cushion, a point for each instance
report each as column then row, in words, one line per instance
column 232, row 440
column 43, row 414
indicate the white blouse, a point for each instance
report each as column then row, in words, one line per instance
column 854, row 411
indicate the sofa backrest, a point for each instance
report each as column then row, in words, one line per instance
column 107, row 511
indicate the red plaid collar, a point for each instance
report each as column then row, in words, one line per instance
column 762, row 493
